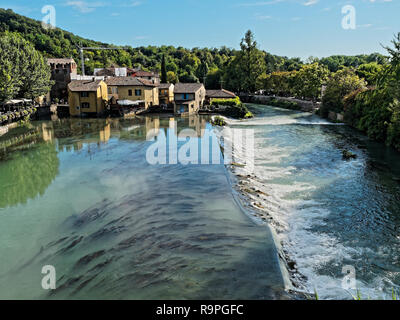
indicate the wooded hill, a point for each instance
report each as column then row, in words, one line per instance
column 184, row 65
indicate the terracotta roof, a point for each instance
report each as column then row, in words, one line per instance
column 141, row 73
column 187, row 87
column 223, row 94
column 84, row 85
column 129, row 81
column 165, row 85
column 60, row 60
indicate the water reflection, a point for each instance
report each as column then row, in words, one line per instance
column 116, row 227
column 27, row 167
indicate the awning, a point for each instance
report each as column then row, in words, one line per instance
column 15, row 101
column 185, row 102
column 129, row 102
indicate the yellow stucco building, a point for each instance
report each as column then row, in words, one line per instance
column 144, row 92
column 166, row 93
column 87, row 97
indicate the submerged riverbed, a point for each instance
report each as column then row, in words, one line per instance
column 79, row 195
column 329, row 213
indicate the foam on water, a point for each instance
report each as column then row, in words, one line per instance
column 314, row 199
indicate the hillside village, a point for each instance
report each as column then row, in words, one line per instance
column 124, row 91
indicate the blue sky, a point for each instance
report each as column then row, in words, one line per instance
column 295, row 28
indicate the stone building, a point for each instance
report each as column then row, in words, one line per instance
column 61, row 71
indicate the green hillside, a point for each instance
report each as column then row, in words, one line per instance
column 187, row 65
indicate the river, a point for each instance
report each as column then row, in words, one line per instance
column 80, row 195
column 328, row 213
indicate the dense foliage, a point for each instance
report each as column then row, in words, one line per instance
column 335, row 63
column 292, row 105
column 234, row 108
column 226, row 102
column 218, row 121
column 23, row 70
column 180, row 63
column 376, row 111
column 339, row 85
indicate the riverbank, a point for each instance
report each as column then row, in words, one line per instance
column 283, row 102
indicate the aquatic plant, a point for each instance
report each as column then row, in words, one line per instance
column 218, row 121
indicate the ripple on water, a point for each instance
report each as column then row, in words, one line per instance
column 327, row 212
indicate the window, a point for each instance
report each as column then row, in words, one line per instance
column 84, row 94
column 85, row 105
column 130, row 92
column 138, row 92
column 109, row 90
column 115, row 90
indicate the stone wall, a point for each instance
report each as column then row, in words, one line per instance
column 307, row 106
column 4, row 129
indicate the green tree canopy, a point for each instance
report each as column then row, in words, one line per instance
column 339, row 85
column 163, row 70
column 246, row 67
column 23, row 70
column 309, row 80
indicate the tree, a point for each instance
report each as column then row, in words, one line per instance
column 234, row 75
column 309, row 80
column 370, row 72
column 214, row 79
column 23, row 70
column 202, row 71
column 280, row 83
column 339, row 85
column 391, row 77
column 163, row 70
column 187, row 77
column 393, row 134
column 251, row 61
column 171, row 77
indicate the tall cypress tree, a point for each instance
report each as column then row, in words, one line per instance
column 163, row 70
column 252, row 61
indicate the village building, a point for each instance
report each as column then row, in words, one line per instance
column 166, row 93
column 143, row 92
column 87, row 97
column 110, row 72
column 219, row 94
column 61, row 71
column 145, row 75
column 189, row 98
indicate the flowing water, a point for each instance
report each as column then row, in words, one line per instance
column 328, row 213
column 80, row 195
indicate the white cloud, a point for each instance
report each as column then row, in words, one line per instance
column 84, row 6
column 310, row 3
